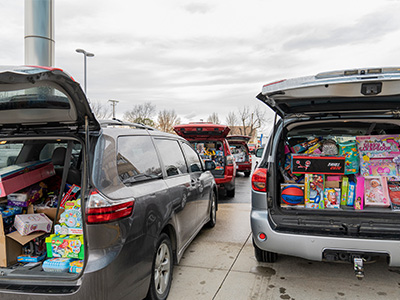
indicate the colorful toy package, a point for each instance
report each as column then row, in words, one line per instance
column 345, row 190
column 28, row 223
column 359, row 198
column 65, row 246
column 376, row 192
column 71, row 219
column 351, row 193
column 332, row 197
column 348, row 149
column 383, row 167
column 394, row 194
column 59, row 264
column 76, row 266
column 292, row 195
column 304, row 146
column 376, row 147
column 314, row 191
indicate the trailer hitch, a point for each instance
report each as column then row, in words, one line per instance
column 359, row 267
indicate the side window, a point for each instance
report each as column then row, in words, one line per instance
column 192, row 158
column 137, row 159
column 172, row 157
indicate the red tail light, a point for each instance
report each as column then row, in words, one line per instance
column 103, row 210
column 259, row 180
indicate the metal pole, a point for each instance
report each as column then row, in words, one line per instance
column 85, row 54
column 84, row 71
column 113, row 103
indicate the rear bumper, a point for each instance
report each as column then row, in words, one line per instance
column 243, row 167
column 312, row 247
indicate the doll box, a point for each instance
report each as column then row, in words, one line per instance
column 376, row 192
column 28, row 223
column 302, row 164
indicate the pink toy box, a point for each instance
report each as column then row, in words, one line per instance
column 375, row 150
column 18, row 177
column 28, row 223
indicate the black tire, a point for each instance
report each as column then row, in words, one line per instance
column 161, row 276
column 213, row 211
column 247, row 173
column 264, row 256
column 230, row 193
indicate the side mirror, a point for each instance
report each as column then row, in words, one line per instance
column 259, row 152
column 210, row 165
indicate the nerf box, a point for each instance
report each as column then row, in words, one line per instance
column 303, row 164
column 28, row 223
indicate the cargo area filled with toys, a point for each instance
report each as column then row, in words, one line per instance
column 341, row 169
column 41, row 229
column 211, row 150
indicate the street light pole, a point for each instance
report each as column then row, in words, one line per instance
column 113, row 103
column 85, row 54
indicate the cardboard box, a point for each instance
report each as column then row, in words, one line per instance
column 50, row 212
column 11, row 245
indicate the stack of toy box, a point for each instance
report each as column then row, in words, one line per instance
column 358, row 173
column 65, row 248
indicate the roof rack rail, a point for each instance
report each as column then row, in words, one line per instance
column 116, row 122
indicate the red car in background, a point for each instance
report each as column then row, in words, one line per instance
column 241, row 153
column 210, row 142
column 252, row 148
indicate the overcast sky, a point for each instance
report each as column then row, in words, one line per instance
column 200, row 57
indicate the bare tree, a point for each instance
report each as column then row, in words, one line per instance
column 247, row 122
column 141, row 113
column 250, row 120
column 100, row 110
column 231, row 120
column 213, row 118
column 166, row 120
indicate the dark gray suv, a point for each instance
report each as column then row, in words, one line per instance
column 129, row 199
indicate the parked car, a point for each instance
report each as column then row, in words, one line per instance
column 252, row 148
column 337, row 133
column 241, row 153
column 210, row 141
column 131, row 198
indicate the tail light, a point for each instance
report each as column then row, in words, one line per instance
column 103, row 210
column 259, row 180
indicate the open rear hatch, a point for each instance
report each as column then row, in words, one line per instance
column 42, row 97
column 206, row 138
column 44, row 118
column 339, row 133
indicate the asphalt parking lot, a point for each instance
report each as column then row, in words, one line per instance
column 220, row 264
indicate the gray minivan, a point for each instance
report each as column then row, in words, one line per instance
column 327, row 185
column 138, row 196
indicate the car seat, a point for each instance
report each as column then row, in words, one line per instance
column 58, row 159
